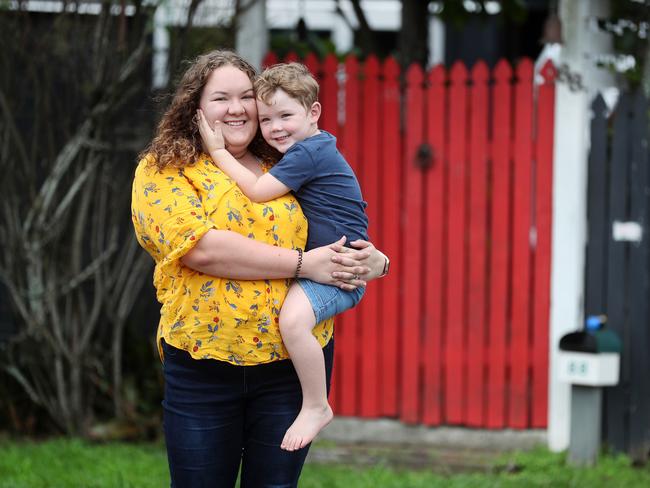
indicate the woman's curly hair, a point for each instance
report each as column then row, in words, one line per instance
column 177, row 141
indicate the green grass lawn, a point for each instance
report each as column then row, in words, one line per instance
column 74, row 464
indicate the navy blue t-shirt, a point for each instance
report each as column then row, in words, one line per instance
column 327, row 189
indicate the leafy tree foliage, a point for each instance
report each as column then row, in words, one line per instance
column 629, row 25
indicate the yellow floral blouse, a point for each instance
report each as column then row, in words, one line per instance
column 208, row 316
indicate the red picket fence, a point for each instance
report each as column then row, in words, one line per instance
column 456, row 167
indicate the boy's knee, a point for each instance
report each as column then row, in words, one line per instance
column 289, row 323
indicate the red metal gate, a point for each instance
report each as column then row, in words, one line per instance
column 456, row 167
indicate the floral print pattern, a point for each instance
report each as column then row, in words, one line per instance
column 211, row 317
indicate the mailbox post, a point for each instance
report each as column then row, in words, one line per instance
column 589, row 360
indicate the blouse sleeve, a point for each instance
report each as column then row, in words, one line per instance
column 167, row 213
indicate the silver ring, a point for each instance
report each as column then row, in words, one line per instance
column 355, row 277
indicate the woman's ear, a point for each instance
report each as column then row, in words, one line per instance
column 314, row 112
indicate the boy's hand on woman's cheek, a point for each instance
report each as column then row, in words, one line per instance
column 212, row 137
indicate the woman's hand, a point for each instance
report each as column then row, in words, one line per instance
column 365, row 255
column 323, row 265
column 212, row 138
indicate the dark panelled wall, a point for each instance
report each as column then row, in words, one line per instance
column 618, row 265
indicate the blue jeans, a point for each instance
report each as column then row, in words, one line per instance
column 218, row 416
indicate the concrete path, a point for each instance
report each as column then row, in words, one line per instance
column 445, row 450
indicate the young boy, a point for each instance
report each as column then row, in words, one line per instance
column 330, row 197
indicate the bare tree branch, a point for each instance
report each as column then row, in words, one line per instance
column 65, row 203
column 25, row 383
column 61, row 165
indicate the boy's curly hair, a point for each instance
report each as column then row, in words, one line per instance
column 292, row 78
column 177, row 141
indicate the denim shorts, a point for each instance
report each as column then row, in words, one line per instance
column 327, row 300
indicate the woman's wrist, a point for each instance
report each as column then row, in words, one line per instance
column 378, row 263
column 384, row 272
column 296, row 275
column 308, row 266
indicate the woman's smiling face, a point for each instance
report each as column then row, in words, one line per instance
column 228, row 96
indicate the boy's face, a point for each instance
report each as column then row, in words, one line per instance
column 284, row 121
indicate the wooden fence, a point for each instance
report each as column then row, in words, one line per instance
column 618, row 261
column 456, row 167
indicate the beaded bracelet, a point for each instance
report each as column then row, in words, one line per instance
column 299, row 265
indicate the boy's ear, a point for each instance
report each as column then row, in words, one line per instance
column 314, row 112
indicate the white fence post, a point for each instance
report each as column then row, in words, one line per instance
column 579, row 80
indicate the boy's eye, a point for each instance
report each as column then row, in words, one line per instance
column 264, row 119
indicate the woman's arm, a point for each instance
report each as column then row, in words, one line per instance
column 257, row 189
column 228, row 254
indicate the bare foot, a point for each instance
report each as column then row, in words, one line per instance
column 308, row 424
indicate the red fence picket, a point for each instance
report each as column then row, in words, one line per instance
column 411, row 274
column 521, row 249
column 477, row 259
column 457, row 171
column 329, row 91
column 499, row 251
column 388, row 166
column 313, row 65
column 435, row 233
column 545, row 108
column 456, row 251
column 369, row 178
column 347, row 331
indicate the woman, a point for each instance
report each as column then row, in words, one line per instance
column 223, row 268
